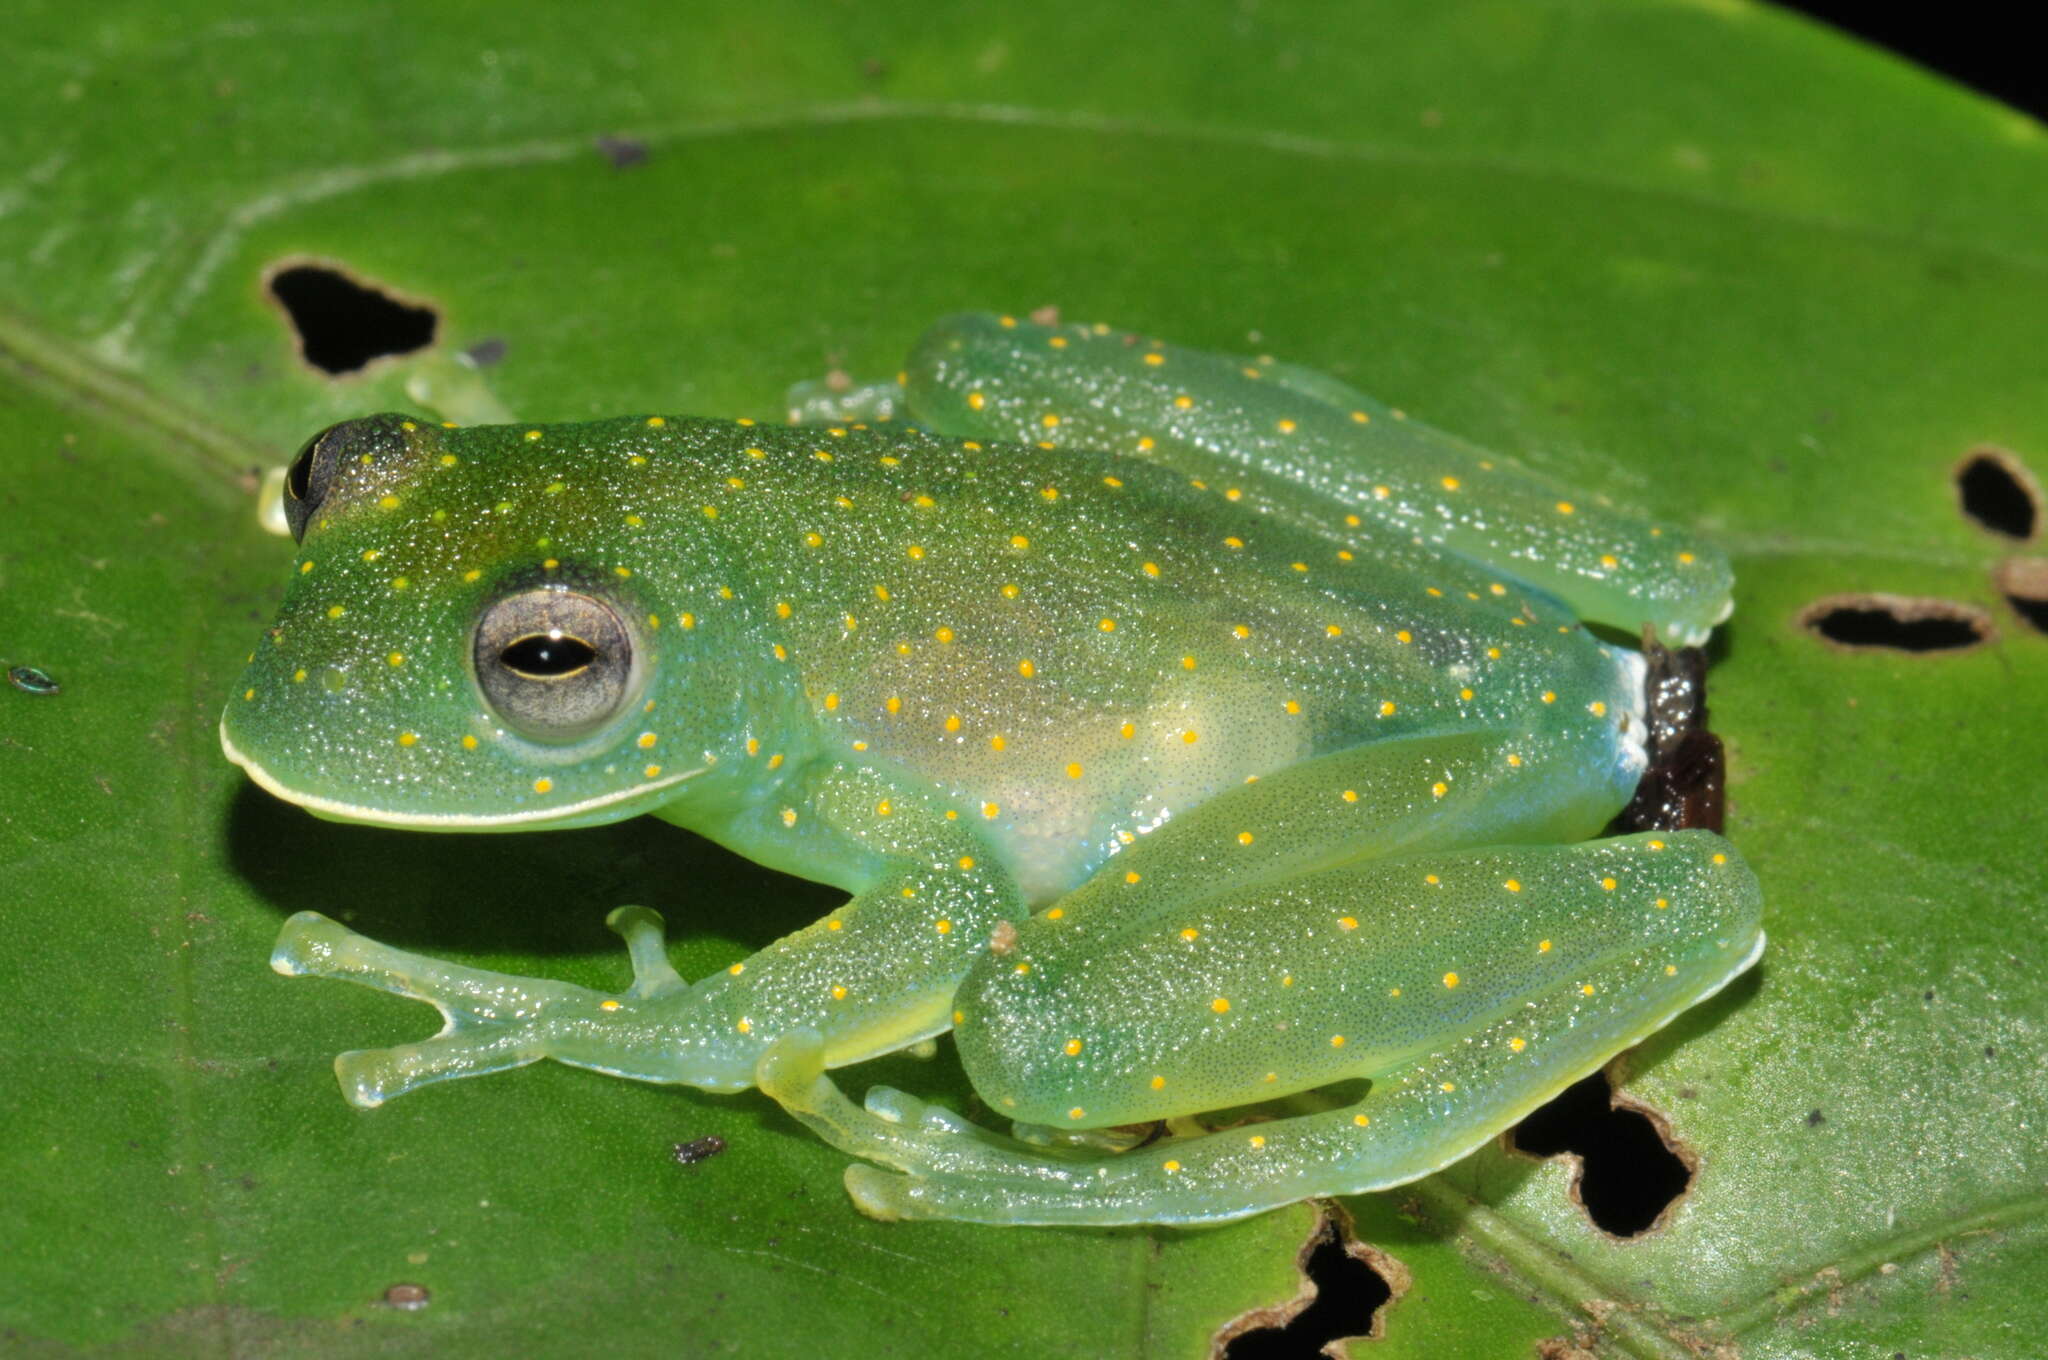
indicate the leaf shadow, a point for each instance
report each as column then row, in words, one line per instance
column 537, row 893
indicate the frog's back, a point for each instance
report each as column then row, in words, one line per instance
column 1071, row 646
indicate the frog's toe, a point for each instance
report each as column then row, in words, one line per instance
column 877, row 1193
column 371, row 1076
column 900, row 1107
column 308, row 945
column 647, row 945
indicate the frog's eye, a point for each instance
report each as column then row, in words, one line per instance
column 331, row 456
column 553, row 663
column 311, row 476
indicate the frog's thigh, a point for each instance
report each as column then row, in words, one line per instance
column 1175, row 907
column 1476, row 985
column 1434, row 789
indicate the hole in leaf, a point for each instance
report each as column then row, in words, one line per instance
column 343, row 324
column 2024, row 583
column 1628, row 1172
column 1900, row 623
column 1345, row 1286
column 1998, row 492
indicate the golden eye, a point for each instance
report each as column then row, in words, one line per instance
column 554, row 663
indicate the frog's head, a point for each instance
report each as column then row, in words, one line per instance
column 480, row 633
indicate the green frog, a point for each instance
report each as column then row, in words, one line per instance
column 1187, row 731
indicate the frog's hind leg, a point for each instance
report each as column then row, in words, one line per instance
column 1488, row 981
column 492, row 1021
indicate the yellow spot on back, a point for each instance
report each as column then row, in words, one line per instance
column 1608, row 884
column 1220, row 1005
column 1543, row 946
column 1244, row 838
column 543, row 785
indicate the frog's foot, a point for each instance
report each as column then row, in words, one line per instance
column 897, row 1128
column 495, row 1021
column 944, row 1166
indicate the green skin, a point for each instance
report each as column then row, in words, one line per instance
column 1186, row 730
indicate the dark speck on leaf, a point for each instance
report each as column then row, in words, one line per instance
column 408, row 1298
column 623, row 152
column 31, row 680
column 484, row 353
column 697, row 1150
column 1814, row 1119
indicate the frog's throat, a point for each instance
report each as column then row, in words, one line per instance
column 452, row 821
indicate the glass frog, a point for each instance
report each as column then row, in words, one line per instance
column 1188, row 731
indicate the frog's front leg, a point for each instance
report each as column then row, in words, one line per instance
column 874, row 976
column 491, row 1021
column 1468, row 986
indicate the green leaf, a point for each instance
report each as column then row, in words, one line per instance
column 1700, row 257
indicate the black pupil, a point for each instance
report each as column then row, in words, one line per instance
column 547, row 655
column 301, row 472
